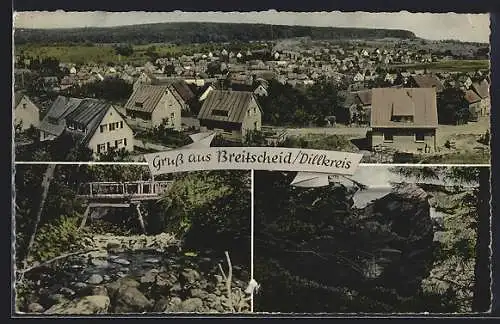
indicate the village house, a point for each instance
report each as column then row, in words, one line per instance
column 482, row 89
column 426, row 81
column 151, row 105
column 98, row 125
column 179, row 87
column 231, row 113
column 363, row 104
column 404, row 119
column 26, row 113
column 474, row 102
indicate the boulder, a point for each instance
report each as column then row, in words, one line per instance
column 85, row 305
column 149, row 277
column 95, row 279
column 121, row 261
column 190, row 275
column 131, row 300
column 99, row 263
column 174, row 305
column 113, row 244
column 99, row 291
column 191, row 305
column 199, row 293
column 161, row 305
column 113, row 287
column 35, row 308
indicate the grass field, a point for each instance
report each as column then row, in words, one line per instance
column 450, row 66
column 80, row 54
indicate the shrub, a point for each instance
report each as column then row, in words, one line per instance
column 56, row 238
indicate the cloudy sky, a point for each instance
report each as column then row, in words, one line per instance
column 464, row 27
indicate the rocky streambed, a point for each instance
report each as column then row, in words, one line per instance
column 136, row 274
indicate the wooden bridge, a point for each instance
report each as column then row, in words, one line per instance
column 120, row 195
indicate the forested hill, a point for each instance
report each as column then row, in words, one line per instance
column 185, row 33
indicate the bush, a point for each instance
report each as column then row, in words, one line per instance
column 56, row 238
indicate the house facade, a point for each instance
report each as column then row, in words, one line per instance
column 150, row 105
column 231, row 113
column 482, row 89
column 404, row 119
column 97, row 125
column 474, row 102
column 26, row 113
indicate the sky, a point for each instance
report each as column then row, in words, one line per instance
column 432, row 26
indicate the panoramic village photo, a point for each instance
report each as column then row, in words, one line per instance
column 134, row 83
column 385, row 240
column 109, row 239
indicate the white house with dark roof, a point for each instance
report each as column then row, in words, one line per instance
column 231, row 113
column 404, row 119
column 150, row 105
column 26, row 113
column 99, row 125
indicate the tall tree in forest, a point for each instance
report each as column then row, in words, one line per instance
column 482, row 292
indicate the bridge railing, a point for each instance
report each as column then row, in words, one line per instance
column 123, row 189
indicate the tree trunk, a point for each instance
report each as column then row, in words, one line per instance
column 47, row 178
column 482, row 291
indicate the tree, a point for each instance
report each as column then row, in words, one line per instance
column 323, row 101
column 169, row 70
column 320, row 255
column 124, row 50
column 479, row 218
column 452, row 107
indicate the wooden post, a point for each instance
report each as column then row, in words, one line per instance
column 141, row 220
column 85, row 216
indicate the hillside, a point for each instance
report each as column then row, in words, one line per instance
column 186, row 33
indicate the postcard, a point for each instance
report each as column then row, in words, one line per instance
column 251, row 162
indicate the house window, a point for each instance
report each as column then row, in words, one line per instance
column 419, row 137
column 101, row 148
column 103, row 128
column 217, row 112
column 111, row 127
column 109, row 145
column 388, row 137
column 124, row 142
column 138, row 104
column 24, row 105
column 402, row 119
column 121, row 124
column 255, row 125
column 118, row 142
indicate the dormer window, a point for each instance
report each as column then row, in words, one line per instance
column 138, row 104
column 402, row 119
column 218, row 112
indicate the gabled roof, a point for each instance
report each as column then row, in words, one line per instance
column 428, row 81
column 147, row 96
column 417, row 102
column 365, row 97
column 482, row 88
column 62, row 106
column 182, row 88
column 471, row 96
column 87, row 112
column 235, row 103
column 18, row 96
